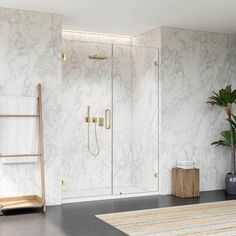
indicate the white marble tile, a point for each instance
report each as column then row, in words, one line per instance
column 122, row 118
column 30, row 53
column 85, row 83
column 193, row 64
column 151, row 38
column 145, row 118
column 18, row 135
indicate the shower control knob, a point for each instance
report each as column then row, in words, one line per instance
column 94, row 119
column 100, row 121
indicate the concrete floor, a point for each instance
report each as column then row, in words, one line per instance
column 79, row 220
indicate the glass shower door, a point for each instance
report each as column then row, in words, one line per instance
column 86, row 95
column 135, row 119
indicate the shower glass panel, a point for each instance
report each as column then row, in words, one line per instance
column 110, row 119
column 87, row 84
column 135, row 119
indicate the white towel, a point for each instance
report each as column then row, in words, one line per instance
column 185, row 164
column 18, row 135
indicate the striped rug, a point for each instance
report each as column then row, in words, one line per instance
column 217, row 218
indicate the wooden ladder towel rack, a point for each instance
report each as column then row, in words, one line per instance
column 30, row 201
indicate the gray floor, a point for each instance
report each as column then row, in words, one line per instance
column 79, row 219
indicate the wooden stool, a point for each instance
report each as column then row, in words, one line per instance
column 185, row 182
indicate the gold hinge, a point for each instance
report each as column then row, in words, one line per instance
column 63, row 182
column 156, row 175
column 63, row 56
column 156, row 63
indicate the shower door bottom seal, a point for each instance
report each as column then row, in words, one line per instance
column 107, row 197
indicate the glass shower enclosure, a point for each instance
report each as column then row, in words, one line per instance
column 110, row 119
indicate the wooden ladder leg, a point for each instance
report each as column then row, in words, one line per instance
column 41, row 145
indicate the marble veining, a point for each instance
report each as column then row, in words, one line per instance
column 30, row 53
column 145, row 118
column 122, row 119
column 85, row 83
column 117, row 83
column 194, row 63
column 151, row 38
column 18, row 135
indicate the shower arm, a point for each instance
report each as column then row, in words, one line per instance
column 97, row 57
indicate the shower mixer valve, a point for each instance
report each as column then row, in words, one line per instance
column 94, row 119
column 101, row 121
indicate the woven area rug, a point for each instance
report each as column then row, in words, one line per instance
column 217, row 218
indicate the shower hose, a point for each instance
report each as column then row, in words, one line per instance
column 95, row 154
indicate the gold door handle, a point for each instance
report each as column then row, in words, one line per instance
column 107, row 118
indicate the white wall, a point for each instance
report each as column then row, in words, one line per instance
column 30, row 53
column 85, row 83
column 194, row 63
column 131, row 87
column 145, row 91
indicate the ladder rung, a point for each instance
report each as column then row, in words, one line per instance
column 19, row 115
column 20, row 155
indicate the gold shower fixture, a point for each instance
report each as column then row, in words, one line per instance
column 63, row 56
column 107, row 118
column 87, row 118
column 100, row 121
column 97, row 57
column 97, row 121
column 93, row 120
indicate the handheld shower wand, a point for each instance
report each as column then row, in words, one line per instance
column 94, row 120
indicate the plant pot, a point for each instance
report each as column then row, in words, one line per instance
column 230, row 184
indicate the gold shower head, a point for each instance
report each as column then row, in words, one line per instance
column 97, row 57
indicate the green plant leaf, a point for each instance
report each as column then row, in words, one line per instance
column 233, row 122
column 221, row 143
column 234, row 117
column 224, row 97
column 233, row 96
column 228, row 89
column 214, row 100
column 227, row 139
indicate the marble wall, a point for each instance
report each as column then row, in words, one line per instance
column 30, row 53
column 122, row 118
column 145, row 93
column 193, row 64
column 100, row 84
column 85, row 83
column 151, row 38
column 126, row 83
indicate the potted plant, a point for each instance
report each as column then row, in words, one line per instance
column 225, row 99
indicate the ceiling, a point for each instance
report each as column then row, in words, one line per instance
column 131, row 17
